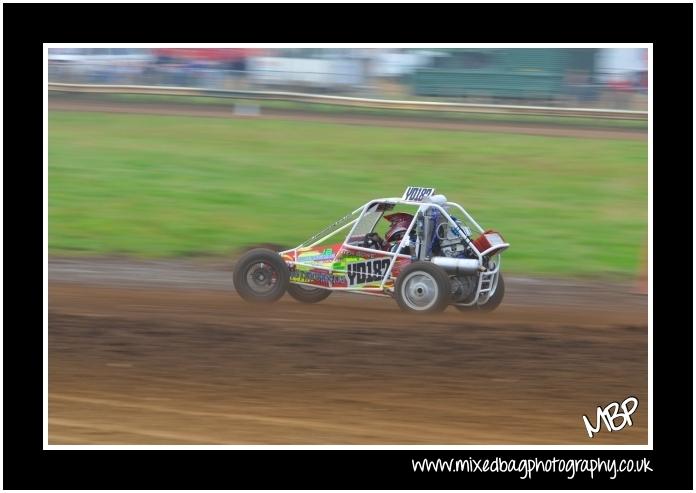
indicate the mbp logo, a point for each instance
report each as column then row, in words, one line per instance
column 369, row 271
column 610, row 414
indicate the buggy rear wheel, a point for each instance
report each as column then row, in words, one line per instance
column 422, row 287
column 307, row 294
column 492, row 303
column 261, row 276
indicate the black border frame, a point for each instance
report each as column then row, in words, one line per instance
column 27, row 26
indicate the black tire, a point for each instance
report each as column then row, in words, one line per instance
column 493, row 302
column 261, row 276
column 307, row 294
column 422, row 287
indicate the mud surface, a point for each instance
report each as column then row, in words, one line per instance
column 166, row 353
column 227, row 111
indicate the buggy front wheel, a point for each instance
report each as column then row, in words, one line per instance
column 261, row 276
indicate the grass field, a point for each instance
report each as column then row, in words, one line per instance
column 157, row 186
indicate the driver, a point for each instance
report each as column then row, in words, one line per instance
column 399, row 225
column 374, row 241
column 397, row 229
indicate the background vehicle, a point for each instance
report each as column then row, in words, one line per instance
column 425, row 266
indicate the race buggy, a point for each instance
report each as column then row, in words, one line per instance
column 426, row 258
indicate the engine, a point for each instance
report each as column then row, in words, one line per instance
column 453, row 253
column 450, row 240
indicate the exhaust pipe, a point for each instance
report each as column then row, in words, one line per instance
column 457, row 265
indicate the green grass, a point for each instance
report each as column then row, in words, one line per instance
column 333, row 109
column 158, row 186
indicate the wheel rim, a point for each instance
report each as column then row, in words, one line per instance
column 419, row 291
column 261, row 277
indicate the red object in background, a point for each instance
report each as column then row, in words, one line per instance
column 209, row 54
column 620, row 85
column 490, row 239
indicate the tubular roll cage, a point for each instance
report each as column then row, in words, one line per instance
column 487, row 280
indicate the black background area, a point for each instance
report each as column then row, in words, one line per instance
column 27, row 26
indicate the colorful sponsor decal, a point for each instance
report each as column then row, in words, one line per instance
column 316, row 256
column 349, row 253
column 348, row 268
column 319, row 277
column 346, row 256
column 367, row 271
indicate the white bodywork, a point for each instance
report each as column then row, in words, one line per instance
column 487, row 278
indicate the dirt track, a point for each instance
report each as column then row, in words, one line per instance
column 166, row 353
column 227, row 111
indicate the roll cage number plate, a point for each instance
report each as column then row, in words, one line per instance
column 417, row 194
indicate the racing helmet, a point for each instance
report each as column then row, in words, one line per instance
column 399, row 224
